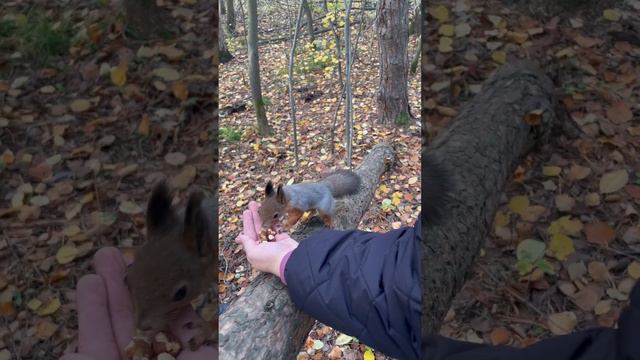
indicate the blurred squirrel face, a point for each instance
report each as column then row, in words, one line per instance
column 175, row 263
column 272, row 208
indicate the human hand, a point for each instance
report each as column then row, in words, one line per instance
column 105, row 314
column 264, row 256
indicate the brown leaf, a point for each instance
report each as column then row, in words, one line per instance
column 500, row 336
column 599, row 233
column 562, row 323
column 534, row 118
column 588, row 297
column 633, row 191
column 41, row 172
column 598, row 271
column 578, row 172
column 619, row 112
column 180, row 90
column 145, row 125
column 45, row 329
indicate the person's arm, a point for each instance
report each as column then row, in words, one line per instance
column 364, row 284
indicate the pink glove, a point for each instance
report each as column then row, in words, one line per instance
column 268, row 256
column 105, row 314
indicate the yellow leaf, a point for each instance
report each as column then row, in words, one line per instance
column 518, row 37
column 413, row 180
column 66, row 254
column 119, row 74
column 446, row 30
column 519, row 204
column 611, row 14
column 439, row 12
column 144, row 126
column 180, row 90
column 551, row 170
column 34, row 304
column 50, row 308
column 368, row 355
column 561, row 245
column 462, row 30
column 383, row 189
column 445, row 44
column 499, row 56
column 634, row 270
column 565, row 225
column 167, row 74
column 80, row 105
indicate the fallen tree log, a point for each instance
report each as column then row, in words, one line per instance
column 479, row 152
column 264, row 323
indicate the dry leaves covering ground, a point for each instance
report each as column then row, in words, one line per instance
column 576, row 198
column 84, row 134
column 247, row 162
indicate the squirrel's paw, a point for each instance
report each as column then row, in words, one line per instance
column 201, row 334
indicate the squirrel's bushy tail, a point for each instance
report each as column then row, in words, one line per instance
column 436, row 185
column 342, row 183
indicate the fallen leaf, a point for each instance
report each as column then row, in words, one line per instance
column 34, row 304
column 445, row 45
column 533, row 118
column 145, row 125
column 39, row 201
column 119, row 74
column 564, row 202
column 343, row 339
column 611, row 14
column 598, row 271
column 602, row 307
column 167, row 74
column 129, row 208
column 519, row 204
column 634, row 270
column 619, row 112
column 462, row 30
column 632, row 235
column 66, row 254
column 500, row 336
column 613, row 181
column 592, row 199
column 577, row 172
column 368, row 355
column 446, row 30
column 175, row 158
column 551, row 170
column 599, row 233
column 562, row 323
column 561, row 245
column 170, row 52
column 499, row 56
column 184, row 178
column 440, row 13
column 51, row 307
column 80, row 105
column 180, row 90
column 588, row 297
column 145, row 52
column 45, row 329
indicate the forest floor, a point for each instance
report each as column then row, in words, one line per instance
column 248, row 161
column 578, row 195
column 90, row 120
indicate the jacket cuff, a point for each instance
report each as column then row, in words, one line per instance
column 283, row 264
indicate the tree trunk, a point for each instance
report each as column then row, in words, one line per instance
column 225, row 55
column 145, row 20
column 223, row 9
column 264, row 323
column 416, row 21
column 480, row 150
column 393, row 37
column 254, row 68
column 309, row 16
column 231, row 17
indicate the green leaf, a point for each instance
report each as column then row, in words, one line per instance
column 317, row 344
column 524, row 267
column 545, row 266
column 530, row 250
column 343, row 339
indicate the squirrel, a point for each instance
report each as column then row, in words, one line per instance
column 295, row 199
column 176, row 264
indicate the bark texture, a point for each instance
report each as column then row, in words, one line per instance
column 393, row 38
column 254, row 68
column 479, row 151
column 264, row 323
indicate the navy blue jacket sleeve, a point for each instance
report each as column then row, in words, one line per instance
column 363, row 284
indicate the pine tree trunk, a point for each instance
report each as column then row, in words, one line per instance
column 393, row 37
column 254, row 69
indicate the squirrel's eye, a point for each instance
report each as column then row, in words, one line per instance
column 180, row 294
column 275, row 216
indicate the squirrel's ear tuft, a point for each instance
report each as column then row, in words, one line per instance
column 159, row 210
column 268, row 190
column 280, row 194
column 196, row 234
